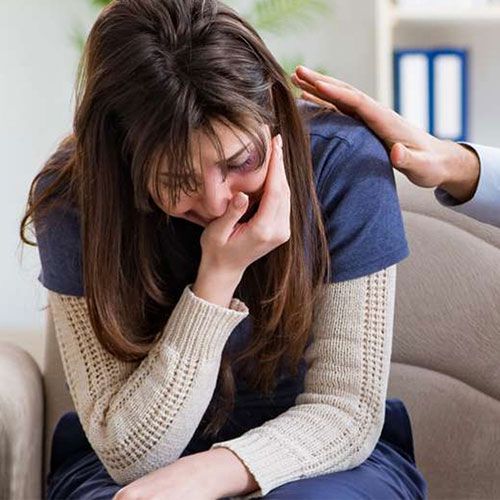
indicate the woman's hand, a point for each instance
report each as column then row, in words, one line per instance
column 180, row 480
column 424, row 159
column 231, row 246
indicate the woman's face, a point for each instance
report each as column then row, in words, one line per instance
column 212, row 197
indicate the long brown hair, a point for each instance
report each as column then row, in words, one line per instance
column 152, row 72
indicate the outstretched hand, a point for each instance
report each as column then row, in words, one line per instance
column 424, row 159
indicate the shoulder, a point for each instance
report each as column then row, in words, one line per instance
column 329, row 125
column 356, row 190
column 56, row 210
column 343, row 147
column 57, row 229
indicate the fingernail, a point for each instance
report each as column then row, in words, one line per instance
column 280, row 140
column 403, row 157
column 240, row 200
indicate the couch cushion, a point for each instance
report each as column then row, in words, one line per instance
column 447, row 346
column 21, row 424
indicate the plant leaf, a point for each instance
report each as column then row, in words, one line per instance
column 101, row 3
column 280, row 16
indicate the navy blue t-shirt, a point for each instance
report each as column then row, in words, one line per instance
column 356, row 189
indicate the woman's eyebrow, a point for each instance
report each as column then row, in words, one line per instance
column 235, row 155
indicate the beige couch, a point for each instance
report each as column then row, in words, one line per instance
column 445, row 363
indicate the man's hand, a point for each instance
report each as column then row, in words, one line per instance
column 424, row 159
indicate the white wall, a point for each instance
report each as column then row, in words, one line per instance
column 482, row 39
column 37, row 70
column 342, row 42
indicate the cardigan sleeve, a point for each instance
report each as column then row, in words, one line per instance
column 336, row 422
column 139, row 417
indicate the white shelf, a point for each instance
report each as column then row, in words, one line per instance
column 445, row 15
column 392, row 27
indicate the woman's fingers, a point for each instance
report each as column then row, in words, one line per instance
column 270, row 196
column 224, row 226
column 276, row 190
column 283, row 212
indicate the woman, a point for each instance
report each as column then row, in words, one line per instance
column 194, row 191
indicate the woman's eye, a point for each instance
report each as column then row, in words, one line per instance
column 248, row 164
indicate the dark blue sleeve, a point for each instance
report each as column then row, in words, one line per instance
column 59, row 248
column 360, row 206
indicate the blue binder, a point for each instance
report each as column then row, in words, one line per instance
column 446, row 106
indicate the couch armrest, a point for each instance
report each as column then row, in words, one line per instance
column 21, row 424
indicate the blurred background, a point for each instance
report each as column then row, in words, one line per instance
column 436, row 62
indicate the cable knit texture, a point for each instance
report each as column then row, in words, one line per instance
column 336, row 422
column 140, row 416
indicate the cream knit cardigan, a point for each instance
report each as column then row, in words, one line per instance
column 139, row 417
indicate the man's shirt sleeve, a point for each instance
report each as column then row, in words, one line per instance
column 485, row 204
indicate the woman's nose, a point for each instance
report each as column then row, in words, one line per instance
column 215, row 196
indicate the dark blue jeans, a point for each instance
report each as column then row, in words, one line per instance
column 390, row 472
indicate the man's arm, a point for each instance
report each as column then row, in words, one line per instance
column 467, row 177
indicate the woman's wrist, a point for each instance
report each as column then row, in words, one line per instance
column 216, row 285
column 222, row 473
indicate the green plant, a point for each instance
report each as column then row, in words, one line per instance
column 101, row 3
column 280, row 17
